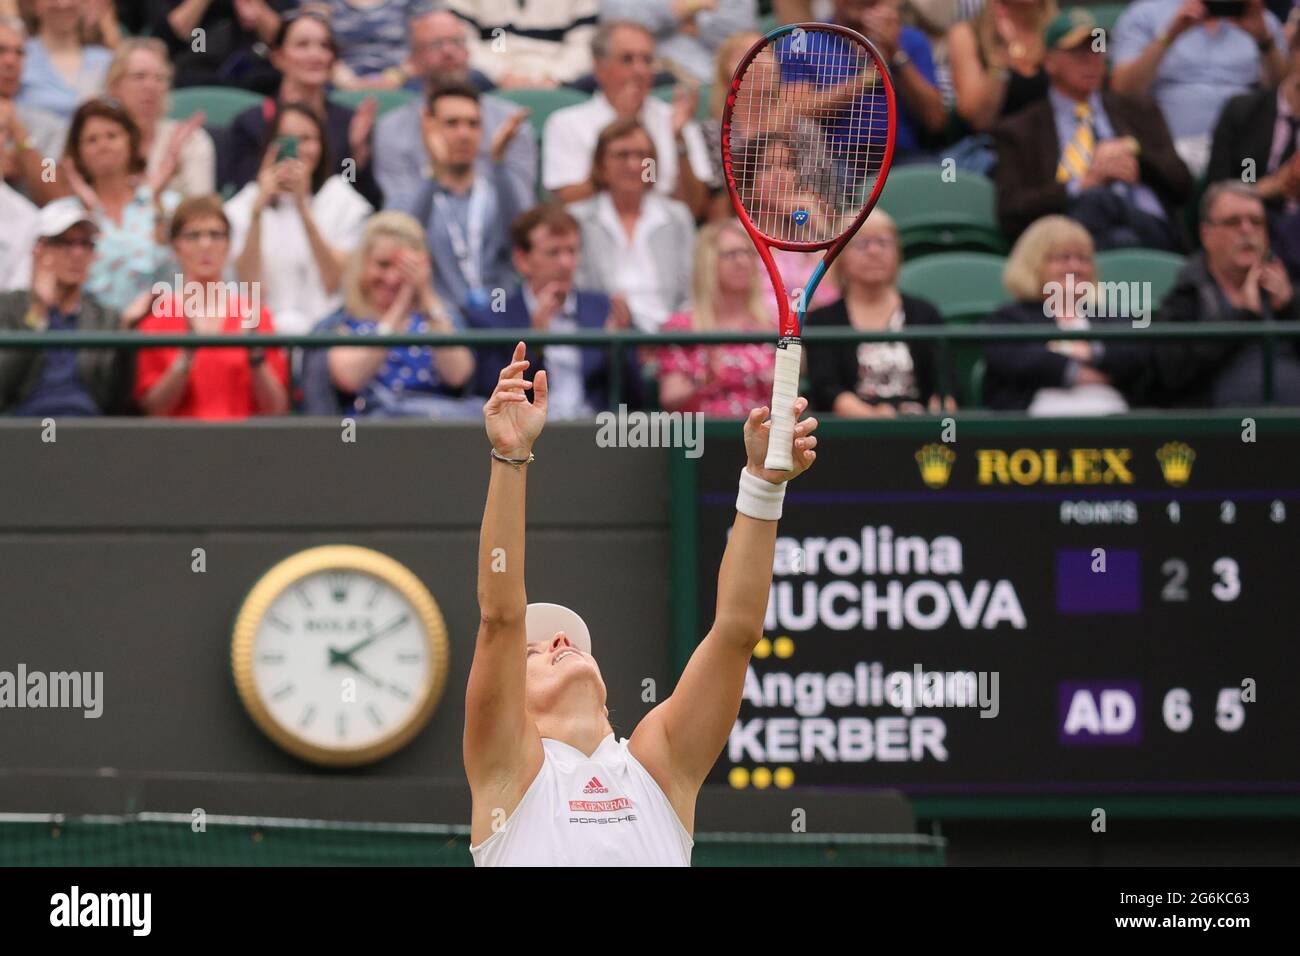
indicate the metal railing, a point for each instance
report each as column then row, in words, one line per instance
column 616, row 343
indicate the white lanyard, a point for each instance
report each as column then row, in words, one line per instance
column 467, row 252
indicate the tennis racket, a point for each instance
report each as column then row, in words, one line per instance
column 807, row 139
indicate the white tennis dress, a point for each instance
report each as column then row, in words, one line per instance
column 602, row 810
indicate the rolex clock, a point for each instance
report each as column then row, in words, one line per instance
column 340, row 655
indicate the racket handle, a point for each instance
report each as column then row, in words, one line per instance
column 785, row 389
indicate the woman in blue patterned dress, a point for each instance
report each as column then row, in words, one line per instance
column 389, row 289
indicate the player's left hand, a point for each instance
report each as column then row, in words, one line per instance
column 758, row 426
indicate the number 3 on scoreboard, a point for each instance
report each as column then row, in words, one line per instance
column 1226, row 588
column 1229, row 584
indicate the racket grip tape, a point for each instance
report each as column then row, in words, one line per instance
column 785, row 389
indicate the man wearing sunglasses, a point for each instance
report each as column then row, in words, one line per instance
column 55, row 382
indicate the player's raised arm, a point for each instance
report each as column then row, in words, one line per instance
column 495, row 722
column 687, row 731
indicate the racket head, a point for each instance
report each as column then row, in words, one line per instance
column 768, row 127
column 807, row 141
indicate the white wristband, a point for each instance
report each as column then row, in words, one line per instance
column 758, row 498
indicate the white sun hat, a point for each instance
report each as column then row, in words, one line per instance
column 543, row 621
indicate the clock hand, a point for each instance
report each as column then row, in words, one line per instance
column 338, row 657
column 376, row 635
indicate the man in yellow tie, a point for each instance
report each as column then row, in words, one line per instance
column 1104, row 159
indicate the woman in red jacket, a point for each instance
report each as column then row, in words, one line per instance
column 210, row 383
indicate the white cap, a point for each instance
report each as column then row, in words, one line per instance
column 543, row 621
column 58, row 217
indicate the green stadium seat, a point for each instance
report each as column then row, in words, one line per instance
column 938, row 216
column 388, row 99
column 964, row 286
column 1140, row 265
column 219, row 104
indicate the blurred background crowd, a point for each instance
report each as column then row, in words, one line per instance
column 376, row 167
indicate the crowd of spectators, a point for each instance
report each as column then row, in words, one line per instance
column 315, row 212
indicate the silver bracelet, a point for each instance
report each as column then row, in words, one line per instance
column 514, row 461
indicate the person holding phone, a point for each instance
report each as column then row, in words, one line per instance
column 305, row 51
column 1193, row 56
column 292, row 227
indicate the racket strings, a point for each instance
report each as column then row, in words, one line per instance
column 808, row 134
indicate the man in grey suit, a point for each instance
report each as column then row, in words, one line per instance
column 465, row 209
column 440, row 56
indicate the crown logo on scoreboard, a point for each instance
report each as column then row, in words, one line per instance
column 935, row 462
column 1176, row 459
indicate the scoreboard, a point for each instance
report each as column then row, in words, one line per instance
column 1024, row 607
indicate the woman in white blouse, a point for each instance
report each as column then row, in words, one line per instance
column 636, row 243
column 181, row 155
column 294, row 225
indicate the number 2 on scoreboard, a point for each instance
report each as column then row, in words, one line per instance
column 1226, row 588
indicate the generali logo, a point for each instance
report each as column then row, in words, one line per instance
column 595, row 786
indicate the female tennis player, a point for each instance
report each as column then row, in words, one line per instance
column 551, row 785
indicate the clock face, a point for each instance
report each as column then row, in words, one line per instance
column 340, row 661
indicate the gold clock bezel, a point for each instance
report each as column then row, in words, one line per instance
column 312, row 561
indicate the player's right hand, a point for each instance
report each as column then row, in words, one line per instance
column 758, row 428
column 513, row 423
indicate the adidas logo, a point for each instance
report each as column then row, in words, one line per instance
column 594, row 786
